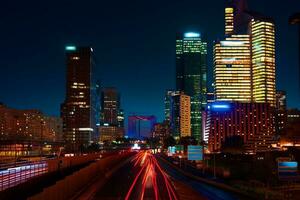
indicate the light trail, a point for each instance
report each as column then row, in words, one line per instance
column 148, row 176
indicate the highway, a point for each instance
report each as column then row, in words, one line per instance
column 145, row 177
column 206, row 191
column 142, row 178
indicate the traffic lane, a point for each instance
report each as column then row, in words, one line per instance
column 151, row 181
column 118, row 184
column 204, row 190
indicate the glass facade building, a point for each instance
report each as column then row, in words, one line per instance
column 191, row 52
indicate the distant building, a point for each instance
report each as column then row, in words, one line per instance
column 110, row 106
column 281, row 110
column 181, row 115
column 168, row 103
column 191, row 72
column 252, row 122
column 135, row 129
column 161, row 130
column 210, row 97
column 293, row 116
column 24, row 132
column 112, row 116
column 110, row 133
column 290, row 135
column 79, row 110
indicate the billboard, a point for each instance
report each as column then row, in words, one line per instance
column 171, row 150
column 287, row 169
column 195, row 152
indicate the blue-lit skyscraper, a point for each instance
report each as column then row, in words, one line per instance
column 191, row 71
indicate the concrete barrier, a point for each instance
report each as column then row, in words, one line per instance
column 67, row 188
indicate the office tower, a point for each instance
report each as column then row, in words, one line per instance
column 263, row 60
column 281, row 110
column 244, row 82
column 244, row 63
column 110, row 106
column 78, row 110
column 191, row 53
column 252, row 123
column 181, row 115
column 232, row 69
column 112, row 116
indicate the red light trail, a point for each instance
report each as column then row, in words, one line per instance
column 148, row 175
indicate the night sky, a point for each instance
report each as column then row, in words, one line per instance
column 134, row 44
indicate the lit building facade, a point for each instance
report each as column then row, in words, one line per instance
column 252, row 122
column 24, row 132
column 191, row 72
column 110, row 133
column 263, row 60
column 79, row 108
column 161, row 130
column 232, row 69
column 112, row 116
column 110, row 106
column 244, row 63
column 229, row 21
column 181, row 115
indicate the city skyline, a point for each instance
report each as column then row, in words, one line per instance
column 33, row 83
column 178, row 100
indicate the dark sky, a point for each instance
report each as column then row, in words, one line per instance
column 134, row 43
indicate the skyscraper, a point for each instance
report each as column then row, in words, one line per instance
column 232, row 69
column 191, row 53
column 78, row 110
column 244, row 63
column 112, row 116
column 263, row 60
column 110, row 106
column 244, row 82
